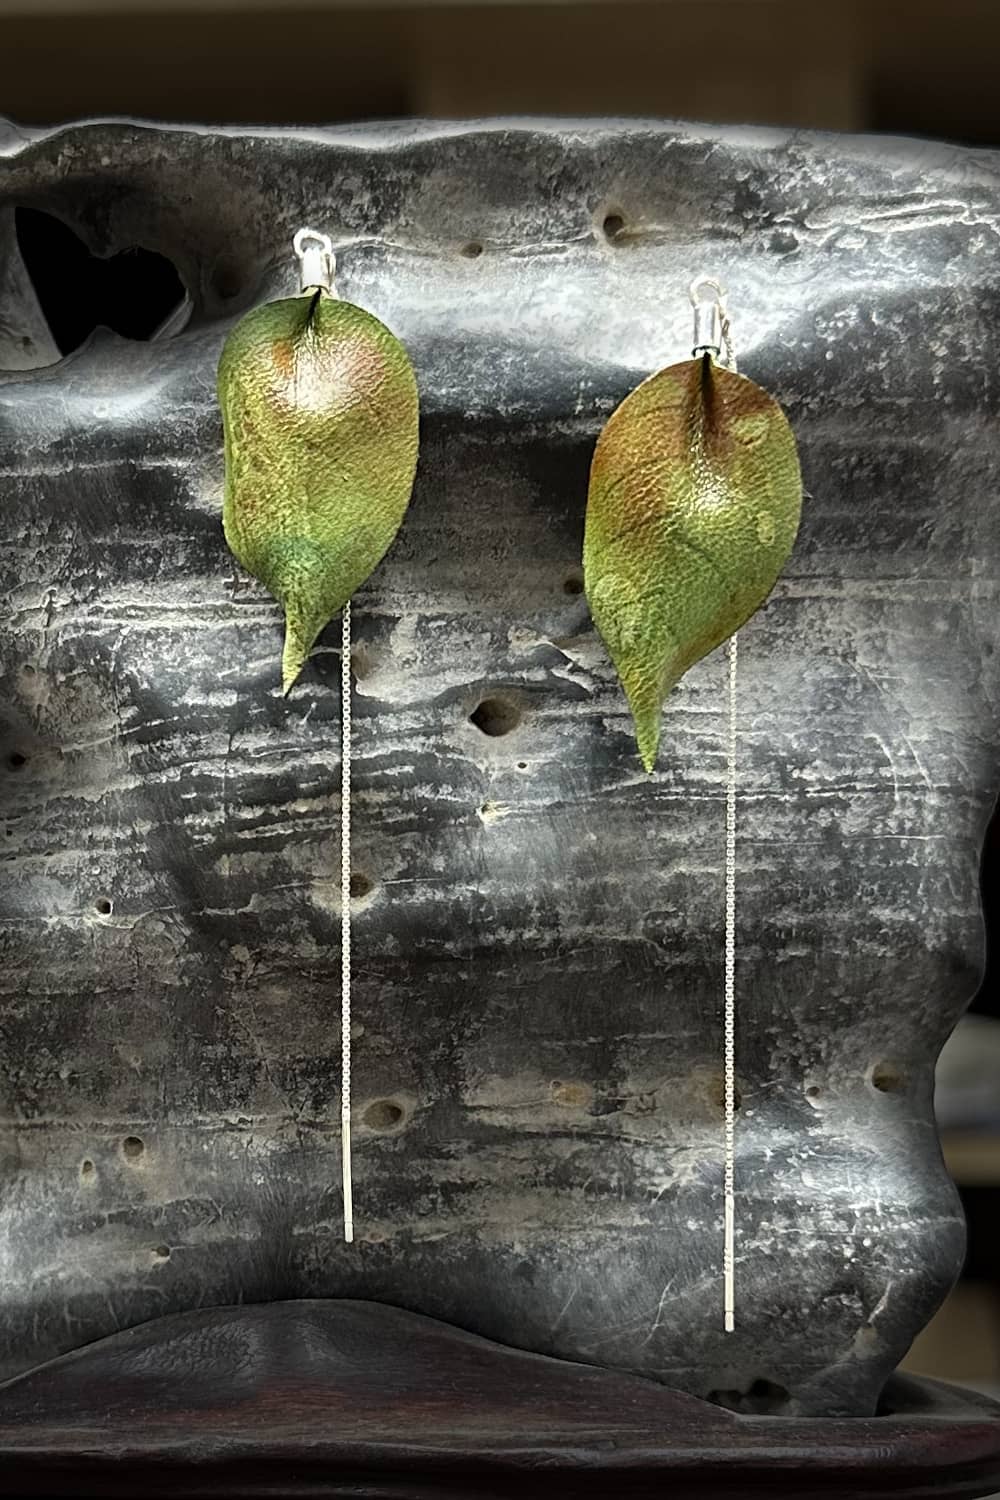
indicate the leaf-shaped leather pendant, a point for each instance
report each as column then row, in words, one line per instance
column 694, row 503
column 320, row 415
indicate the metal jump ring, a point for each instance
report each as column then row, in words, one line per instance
column 707, row 281
column 317, row 262
column 316, row 236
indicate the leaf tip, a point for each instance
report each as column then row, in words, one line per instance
column 647, row 734
column 293, row 657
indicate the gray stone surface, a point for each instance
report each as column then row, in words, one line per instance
column 539, row 957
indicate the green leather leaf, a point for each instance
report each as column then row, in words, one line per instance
column 694, row 504
column 320, row 415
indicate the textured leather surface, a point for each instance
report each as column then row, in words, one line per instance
column 320, row 410
column 694, row 503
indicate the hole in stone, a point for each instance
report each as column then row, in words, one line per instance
column 360, row 885
column 104, row 906
column 613, row 225
column 522, row 765
column 496, row 716
column 87, row 1168
column 573, row 583
column 162, row 1252
column 382, row 1115
column 887, row 1078
column 768, row 1390
column 492, row 812
column 16, row 760
column 814, row 1091
column 783, row 242
column 133, row 1147
column 761, row 1398
column 472, row 249
column 363, row 662
column 137, row 292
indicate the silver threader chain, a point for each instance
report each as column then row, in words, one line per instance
column 712, row 335
column 345, row 920
column 729, row 1030
column 317, row 265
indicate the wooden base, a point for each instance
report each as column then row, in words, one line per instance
column 358, row 1399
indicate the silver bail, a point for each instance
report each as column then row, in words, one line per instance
column 708, row 298
column 317, row 262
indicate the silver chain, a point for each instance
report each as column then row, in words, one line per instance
column 729, row 1025
column 317, row 266
column 712, row 335
column 345, row 920
column 729, row 1041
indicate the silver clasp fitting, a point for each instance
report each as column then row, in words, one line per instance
column 317, row 262
column 711, row 321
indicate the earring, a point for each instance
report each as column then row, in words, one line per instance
column 694, row 504
column 320, row 418
column 693, row 508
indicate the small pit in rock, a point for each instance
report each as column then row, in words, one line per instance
column 383, row 1115
column 496, row 716
column 887, row 1078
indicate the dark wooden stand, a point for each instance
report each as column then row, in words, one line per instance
column 357, row 1399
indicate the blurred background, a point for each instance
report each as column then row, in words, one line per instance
column 900, row 66
column 891, row 65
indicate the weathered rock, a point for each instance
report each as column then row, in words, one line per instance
column 539, row 957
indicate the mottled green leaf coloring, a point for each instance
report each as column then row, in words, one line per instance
column 694, row 504
column 320, row 414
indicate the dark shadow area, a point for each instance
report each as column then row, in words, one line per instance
column 138, row 293
column 987, row 1001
